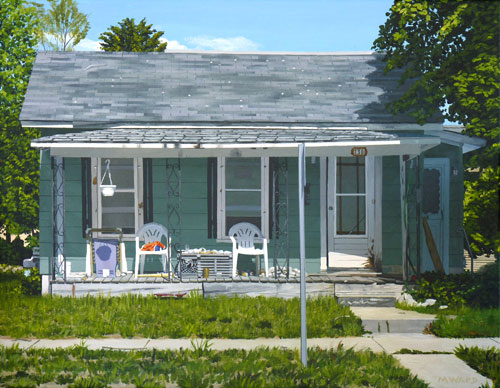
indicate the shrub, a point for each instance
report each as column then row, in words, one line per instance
column 13, row 252
column 475, row 290
column 15, row 280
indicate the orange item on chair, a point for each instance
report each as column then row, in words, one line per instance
column 151, row 246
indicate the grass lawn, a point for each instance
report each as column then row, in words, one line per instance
column 194, row 316
column 461, row 322
column 201, row 367
column 468, row 323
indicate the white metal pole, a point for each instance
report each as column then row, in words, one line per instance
column 303, row 320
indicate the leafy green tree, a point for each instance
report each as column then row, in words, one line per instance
column 449, row 51
column 63, row 26
column 18, row 162
column 128, row 36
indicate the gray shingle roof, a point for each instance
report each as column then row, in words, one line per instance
column 214, row 136
column 88, row 88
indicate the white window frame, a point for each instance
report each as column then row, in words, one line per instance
column 221, row 198
column 97, row 196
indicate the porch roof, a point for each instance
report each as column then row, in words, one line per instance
column 231, row 141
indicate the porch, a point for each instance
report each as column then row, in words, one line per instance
column 184, row 161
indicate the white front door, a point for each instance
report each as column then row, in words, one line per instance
column 350, row 205
column 435, row 207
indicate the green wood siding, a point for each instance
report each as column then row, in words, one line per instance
column 391, row 216
column 391, row 211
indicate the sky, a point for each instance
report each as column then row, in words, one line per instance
column 246, row 25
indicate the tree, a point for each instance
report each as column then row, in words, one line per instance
column 128, row 36
column 63, row 26
column 449, row 51
column 18, row 162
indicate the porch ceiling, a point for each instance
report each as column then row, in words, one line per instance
column 246, row 142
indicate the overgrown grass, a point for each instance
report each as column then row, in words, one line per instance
column 202, row 367
column 484, row 361
column 468, row 323
column 138, row 316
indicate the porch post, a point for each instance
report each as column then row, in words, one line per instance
column 280, row 216
column 58, row 265
column 303, row 319
column 174, row 202
column 418, row 213
column 402, row 184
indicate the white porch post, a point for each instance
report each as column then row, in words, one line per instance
column 59, row 260
column 303, row 319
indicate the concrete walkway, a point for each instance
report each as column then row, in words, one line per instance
column 391, row 330
column 439, row 370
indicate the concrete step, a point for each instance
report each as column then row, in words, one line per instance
column 372, row 295
column 382, row 320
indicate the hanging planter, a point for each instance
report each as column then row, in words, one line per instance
column 107, row 190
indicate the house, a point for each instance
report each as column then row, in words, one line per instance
column 199, row 141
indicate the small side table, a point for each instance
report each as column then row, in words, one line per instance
column 192, row 262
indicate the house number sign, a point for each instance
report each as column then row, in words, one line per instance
column 359, row 151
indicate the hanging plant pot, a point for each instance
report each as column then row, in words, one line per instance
column 108, row 190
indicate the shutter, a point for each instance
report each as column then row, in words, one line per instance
column 147, row 179
column 212, row 197
column 86, row 195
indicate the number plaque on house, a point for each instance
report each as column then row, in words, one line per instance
column 359, row 151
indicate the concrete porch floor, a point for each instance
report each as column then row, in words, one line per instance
column 351, row 288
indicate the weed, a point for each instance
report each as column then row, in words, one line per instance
column 484, row 361
column 201, row 347
column 413, row 351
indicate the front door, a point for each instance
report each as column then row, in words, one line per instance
column 435, row 207
column 350, row 211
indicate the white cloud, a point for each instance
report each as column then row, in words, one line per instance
column 88, row 45
column 173, row 44
column 238, row 43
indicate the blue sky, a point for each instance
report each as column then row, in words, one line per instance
column 247, row 25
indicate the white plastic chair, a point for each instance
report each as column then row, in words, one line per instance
column 243, row 237
column 150, row 233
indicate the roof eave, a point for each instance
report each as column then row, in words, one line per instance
column 402, row 146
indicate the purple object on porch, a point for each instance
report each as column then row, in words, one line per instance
column 106, row 256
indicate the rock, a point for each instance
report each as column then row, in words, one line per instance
column 407, row 299
column 428, row 302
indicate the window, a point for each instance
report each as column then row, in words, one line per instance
column 124, row 209
column 351, row 196
column 242, row 193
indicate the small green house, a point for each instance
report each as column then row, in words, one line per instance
column 198, row 141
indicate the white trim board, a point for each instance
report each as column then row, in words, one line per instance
column 406, row 146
